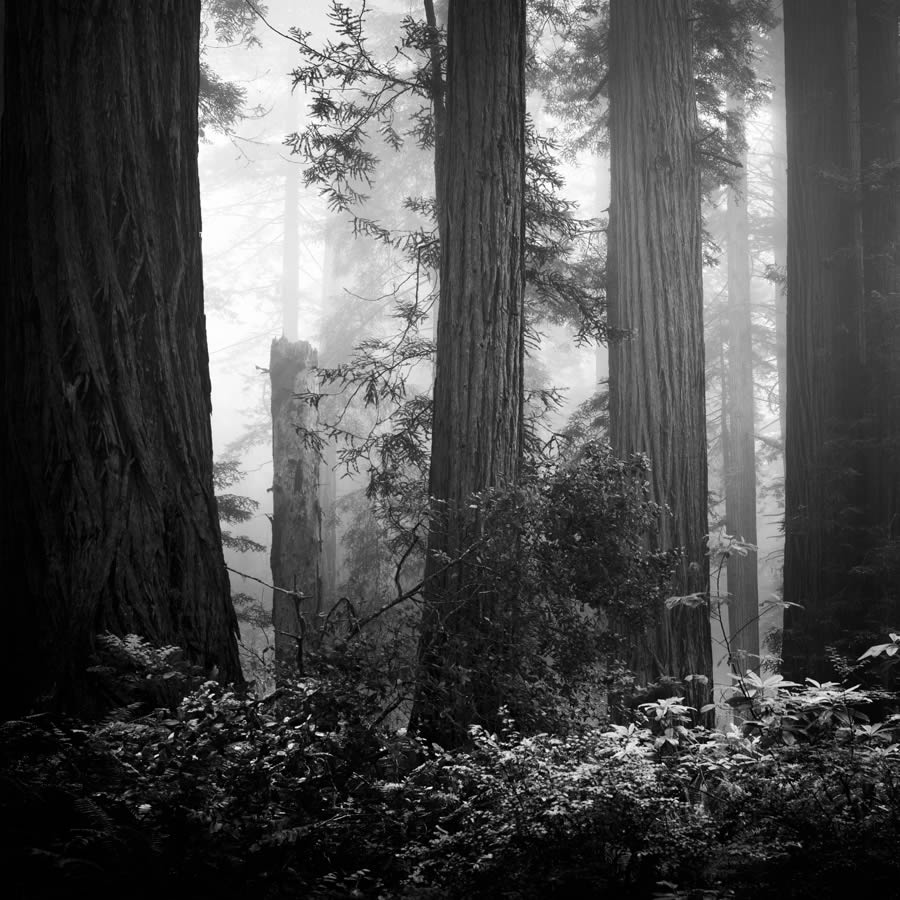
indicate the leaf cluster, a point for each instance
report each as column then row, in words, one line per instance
column 559, row 570
column 573, row 73
column 234, row 508
column 222, row 103
column 305, row 793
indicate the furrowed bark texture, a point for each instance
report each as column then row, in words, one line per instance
column 296, row 516
column 843, row 434
column 477, row 433
column 843, row 336
column 822, row 321
column 738, row 442
column 879, row 84
column 657, row 403
column 109, row 518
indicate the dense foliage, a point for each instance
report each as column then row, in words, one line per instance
column 582, row 784
column 305, row 793
column 563, row 556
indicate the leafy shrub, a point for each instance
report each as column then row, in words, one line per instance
column 131, row 672
column 589, row 814
column 560, row 555
column 305, row 793
column 220, row 796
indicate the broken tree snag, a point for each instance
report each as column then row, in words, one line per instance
column 327, row 504
column 296, row 515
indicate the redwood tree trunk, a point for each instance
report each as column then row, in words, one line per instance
column 778, row 174
column 109, row 518
column 329, row 356
column 296, row 516
column 843, row 427
column 657, row 403
column 738, row 440
column 825, row 338
column 477, row 433
column 879, row 86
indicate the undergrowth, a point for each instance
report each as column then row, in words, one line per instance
column 305, row 793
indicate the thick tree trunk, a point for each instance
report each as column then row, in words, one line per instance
column 738, row 440
column 109, row 519
column 657, row 403
column 2, row 70
column 879, row 87
column 825, row 338
column 296, row 518
column 477, row 433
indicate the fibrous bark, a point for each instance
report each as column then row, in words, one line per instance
column 296, row 517
column 823, row 327
column 843, row 340
column 879, row 85
column 109, row 518
column 657, row 403
column 477, row 432
column 738, row 441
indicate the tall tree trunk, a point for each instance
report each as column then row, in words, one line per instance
column 2, row 70
column 778, row 174
column 296, row 518
column 328, row 411
column 879, row 87
column 657, row 403
column 825, row 339
column 771, row 51
column 477, row 432
column 107, row 495
column 738, row 440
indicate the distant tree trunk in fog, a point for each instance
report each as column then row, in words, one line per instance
column 738, row 440
column 109, row 518
column 328, row 508
column 842, row 413
column 477, row 433
column 880, row 152
column 778, row 175
column 657, row 403
column 328, row 412
column 296, row 518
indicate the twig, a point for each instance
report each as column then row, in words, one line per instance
column 720, row 158
column 595, row 93
column 408, row 595
column 401, row 562
column 268, row 25
column 299, row 595
column 346, row 601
